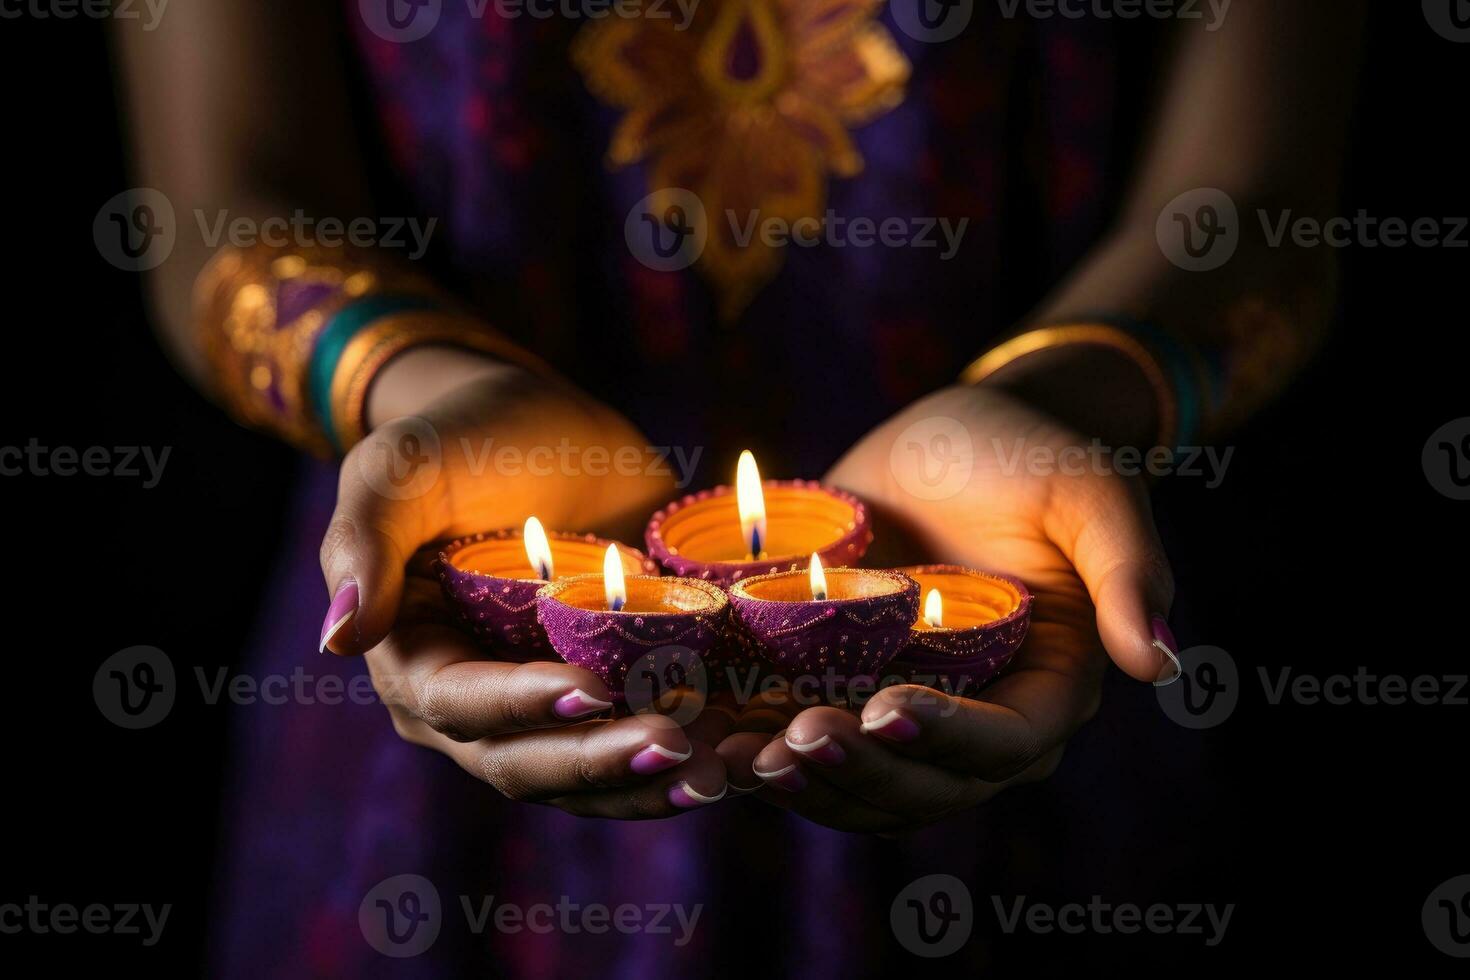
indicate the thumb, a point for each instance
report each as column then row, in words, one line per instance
column 1106, row 529
column 386, row 489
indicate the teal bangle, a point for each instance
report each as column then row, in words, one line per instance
column 345, row 324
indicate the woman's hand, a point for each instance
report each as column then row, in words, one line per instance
column 486, row 446
column 975, row 476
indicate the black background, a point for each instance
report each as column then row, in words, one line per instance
column 1325, row 549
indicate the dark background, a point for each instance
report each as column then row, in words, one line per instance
column 1326, row 549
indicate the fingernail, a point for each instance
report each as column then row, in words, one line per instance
column 578, row 704
column 686, row 797
column 656, row 758
column 791, row 779
column 823, row 750
column 745, row 790
column 343, row 608
column 893, row 726
column 1170, row 669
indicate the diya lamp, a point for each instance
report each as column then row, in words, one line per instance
column 760, row 528
column 608, row 622
column 842, row 622
column 491, row 579
column 970, row 628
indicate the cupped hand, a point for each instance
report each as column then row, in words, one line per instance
column 480, row 454
column 977, row 477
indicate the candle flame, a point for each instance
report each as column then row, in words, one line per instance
column 934, row 609
column 612, row 579
column 751, row 500
column 819, row 579
column 538, row 549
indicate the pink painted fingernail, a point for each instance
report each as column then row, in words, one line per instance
column 656, row 758
column 343, row 608
column 686, row 797
column 1170, row 668
column 578, row 704
column 893, row 726
column 791, row 778
column 823, row 751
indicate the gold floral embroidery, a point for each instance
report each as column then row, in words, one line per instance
column 749, row 107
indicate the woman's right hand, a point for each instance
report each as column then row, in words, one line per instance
column 486, row 446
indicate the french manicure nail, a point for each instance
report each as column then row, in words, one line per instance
column 579, row 703
column 893, row 726
column 343, row 608
column 791, row 779
column 686, row 797
column 656, row 758
column 823, row 750
column 1170, row 669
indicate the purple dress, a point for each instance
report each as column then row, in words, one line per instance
column 504, row 128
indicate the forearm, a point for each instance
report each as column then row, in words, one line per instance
column 238, row 108
column 1257, row 112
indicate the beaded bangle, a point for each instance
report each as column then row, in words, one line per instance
column 294, row 336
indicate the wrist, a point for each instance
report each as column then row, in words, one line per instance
column 420, row 376
column 1096, row 390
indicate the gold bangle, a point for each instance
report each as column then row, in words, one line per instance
column 371, row 348
column 1101, row 335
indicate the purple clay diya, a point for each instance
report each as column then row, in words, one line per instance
column 492, row 583
column 724, row 536
column 848, row 626
column 607, row 630
column 970, row 628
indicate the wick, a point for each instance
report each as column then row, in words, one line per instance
column 545, row 571
column 755, row 544
column 617, row 604
column 819, row 597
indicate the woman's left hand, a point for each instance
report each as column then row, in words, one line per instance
column 1003, row 487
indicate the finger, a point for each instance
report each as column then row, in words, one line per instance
column 738, row 752
column 371, row 536
column 436, row 674
column 696, row 783
column 1025, row 716
column 594, row 756
column 1104, row 527
column 833, row 749
column 789, row 788
column 715, row 722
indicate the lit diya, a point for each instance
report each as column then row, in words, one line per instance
column 847, row 621
column 970, row 628
column 491, row 579
column 608, row 622
column 760, row 528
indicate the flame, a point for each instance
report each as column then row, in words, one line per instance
column 934, row 609
column 538, row 549
column 612, row 579
column 819, row 579
column 751, row 500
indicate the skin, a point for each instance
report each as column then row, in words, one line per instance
column 1257, row 109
